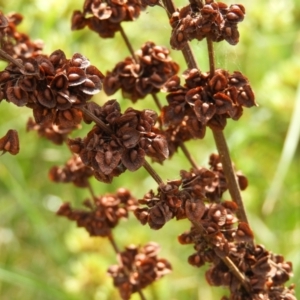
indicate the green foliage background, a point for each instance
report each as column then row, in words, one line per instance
column 46, row 257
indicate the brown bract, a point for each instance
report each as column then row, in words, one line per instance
column 53, row 87
column 15, row 43
column 261, row 268
column 214, row 20
column 10, row 142
column 128, row 139
column 204, row 100
column 49, row 131
column 144, row 75
column 196, row 196
column 102, row 214
column 105, row 17
column 73, row 171
column 138, row 268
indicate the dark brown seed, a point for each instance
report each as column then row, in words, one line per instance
column 68, row 115
column 29, row 67
column 108, row 157
column 10, row 142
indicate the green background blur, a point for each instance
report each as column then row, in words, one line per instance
column 46, row 257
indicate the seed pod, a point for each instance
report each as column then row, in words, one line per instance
column 17, row 96
column 10, row 142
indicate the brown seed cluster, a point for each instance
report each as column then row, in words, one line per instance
column 186, row 197
column 49, row 131
column 145, row 74
column 101, row 215
column 105, row 16
column 138, row 268
column 214, row 20
column 52, row 87
column 15, row 43
column 10, row 142
column 265, row 273
column 204, row 100
column 73, row 171
column 128, row 138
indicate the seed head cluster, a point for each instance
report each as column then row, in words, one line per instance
column 138, row 268
column 214, row 20
column 204, row 100
column 145, row 74
column 128, row 139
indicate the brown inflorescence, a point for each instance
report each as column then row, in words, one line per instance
column 50, row 131
column 214, row 20
column 105, row 16
column 10, row 142
column 54, row 87
column 204, row 100
column 15, row 43
column 264, row 273
column 187, row 197
column 128, row 139
column 138, row 268
column 145, row 74
column 102, row 214
column 73, row 171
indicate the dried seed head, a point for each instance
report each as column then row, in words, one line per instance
column 10, row 142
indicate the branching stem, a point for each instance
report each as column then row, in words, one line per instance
column 152, row 172
column 127, row 42
column 99, row 122
column 9, row 58
column 233, row 187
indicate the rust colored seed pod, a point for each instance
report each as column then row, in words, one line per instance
column 17, row 96
column 10, row 142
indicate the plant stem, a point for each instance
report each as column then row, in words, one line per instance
column 187, row 50
column 10, row 59
column 127, row 42
column 188, row 155
column 236, row 272
column 99, row 122
column 113, row 243
column 182, row 146
column 157, row 102
column 223, row 150
column 233, row 187
column 210, row 48
column 152, row 172
column 90, row 188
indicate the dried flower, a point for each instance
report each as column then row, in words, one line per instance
column 204, row 100
column 103, row 213
column 53, row 87
column 138, row 268
column 10, row 142
column 73, row 171
column 105, row 16
column 15, row 43
column 131, row 136
column 144, row 75
column 214, row 20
